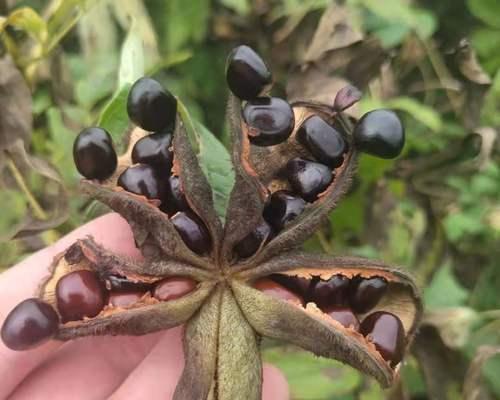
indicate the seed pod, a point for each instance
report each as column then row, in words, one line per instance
column 192, row 273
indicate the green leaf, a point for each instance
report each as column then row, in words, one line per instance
column 486, row 10
column 313, row 378
column 132, row 58
column 114, row 117
column 241, row 7
column 444, row 290
column 187, row 22
column 15, row 209
column 29, row 21
column 422, row 113
column 214, row 160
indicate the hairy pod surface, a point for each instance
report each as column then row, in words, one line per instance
column 230, row 284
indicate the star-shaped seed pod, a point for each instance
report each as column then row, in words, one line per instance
column 235, row 282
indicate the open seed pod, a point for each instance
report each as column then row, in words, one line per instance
column 233, row 284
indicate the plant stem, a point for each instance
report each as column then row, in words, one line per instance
column 18, row 177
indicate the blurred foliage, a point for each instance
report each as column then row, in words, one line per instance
column 434, row 211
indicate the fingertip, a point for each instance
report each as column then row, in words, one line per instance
column 275, row 385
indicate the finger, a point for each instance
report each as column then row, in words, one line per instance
column 157, row 375
column 105, row 362
column 275, row 385
column 21, row 282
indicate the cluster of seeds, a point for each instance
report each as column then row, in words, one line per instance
column 322, row 140
column 347, row 301
column 153, row 109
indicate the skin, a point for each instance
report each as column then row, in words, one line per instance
column 116, row 368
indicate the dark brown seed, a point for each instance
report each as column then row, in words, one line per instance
column 346, row 97
column 79, row 294
column 251, row 243
column 324, row 142
column 343, row 315
column 270, row 120
column 192, row 231
column 366, row 293
column 175, row 199
column 282, row 208
column 29, row 324
column 124, row 299
column 298, row 285
column 154, row 150
column 386, row 332
column 143, row 180
column 333, row 292
column 173, row 288
column 308, row 178
column 275, row 290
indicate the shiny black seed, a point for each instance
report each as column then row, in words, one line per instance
column 386, row 332
column 246, row 73
column 366, row 293
column 94, row 155
column 29, row 324
column 122, row 284
column 251, row 243
column 150, row 106
column 324, row 142
column 155, row 150
column 380, row 133
column 175, row 199
column 192, row 231
column 308, row 178
column 282, row 208
column 143, row 180
column 333, row 292
column 270, row 120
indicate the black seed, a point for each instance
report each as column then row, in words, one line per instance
column 251, row 243
column 150, row 106
column 29, row 324
column 175, row 199
column 246, row 73
column 308, row 178
column 143, row 180
column 366, row 293
column 380, row 133
column 192, row 231
column 270, row 120
column 333, row 292
column 282, row 208
column 154, row 150
column 94, row 155
column 324, row 142
column 122, row 284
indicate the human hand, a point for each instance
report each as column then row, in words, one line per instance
column 122, row 367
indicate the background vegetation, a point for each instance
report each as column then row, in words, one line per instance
column 67, row 64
